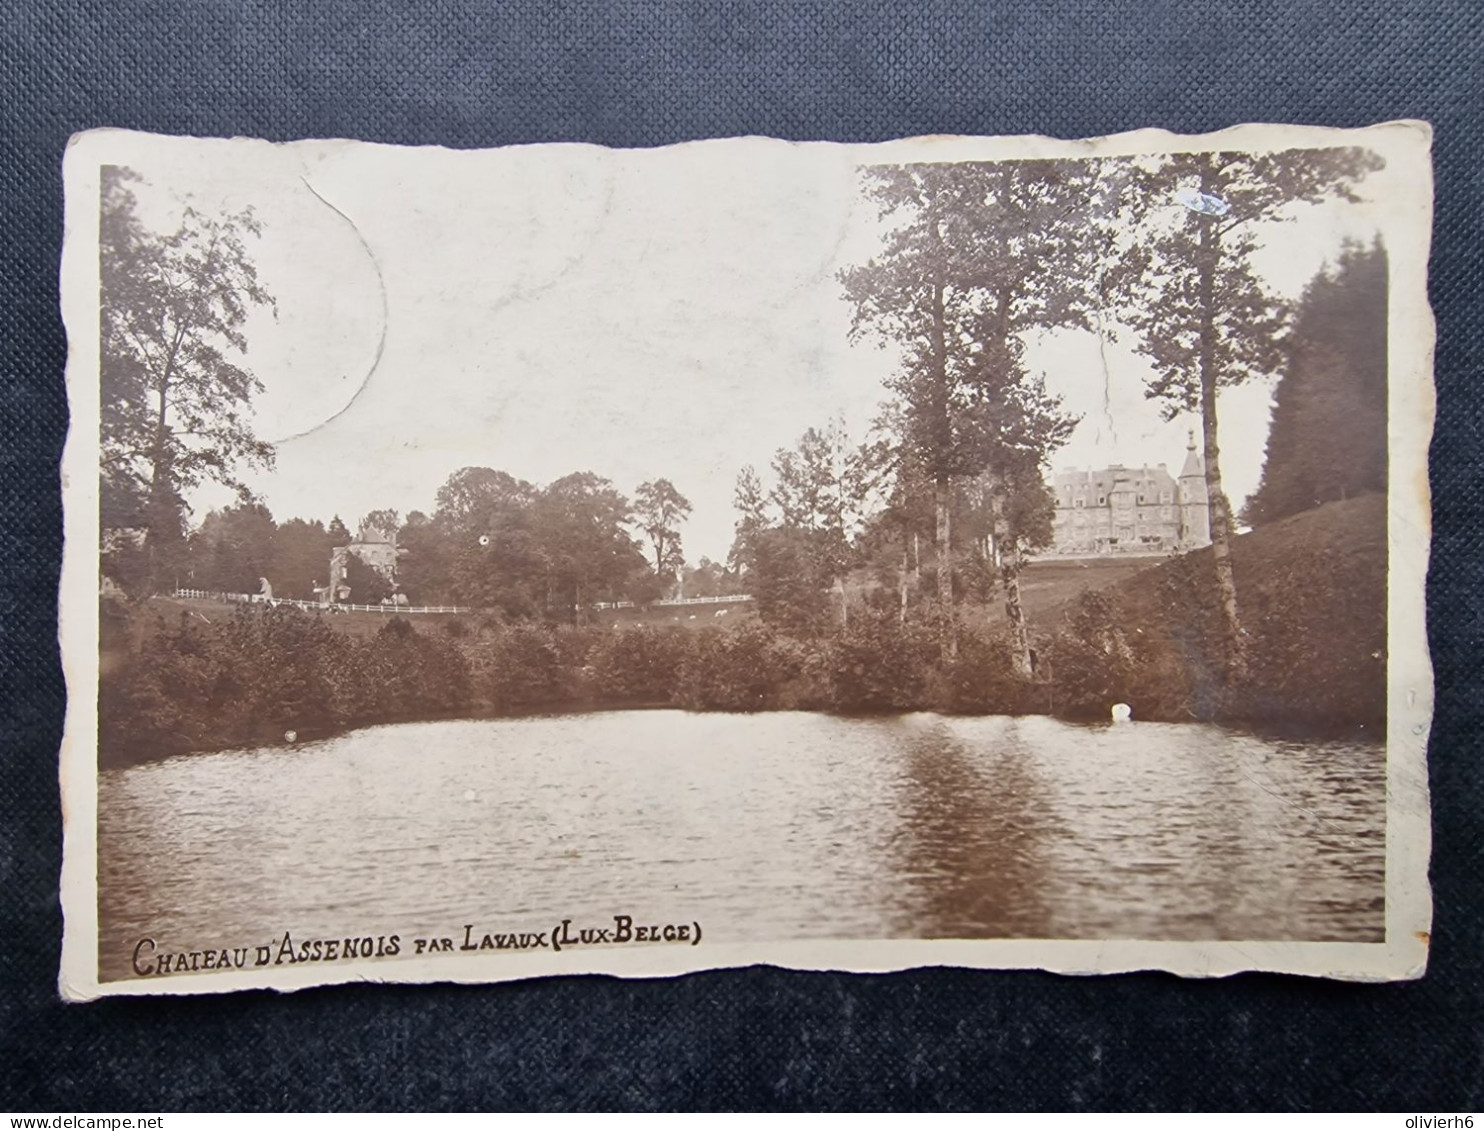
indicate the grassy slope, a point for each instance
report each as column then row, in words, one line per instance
column 1312, row 597
column 1046, row 586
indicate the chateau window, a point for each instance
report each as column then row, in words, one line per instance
column 1164, row 496
column 1081, row 503
column 1102, row 500
column 1164, row 512
column 1141, row 498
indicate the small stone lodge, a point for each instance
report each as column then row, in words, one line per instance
column 1131, row 510
column 376, row 547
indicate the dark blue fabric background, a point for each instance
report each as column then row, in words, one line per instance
column 476, row 74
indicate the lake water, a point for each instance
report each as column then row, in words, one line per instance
column 762, row 827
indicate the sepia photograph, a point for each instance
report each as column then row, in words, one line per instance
column 555, row 559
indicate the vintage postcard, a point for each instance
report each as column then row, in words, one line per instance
column 988, row 552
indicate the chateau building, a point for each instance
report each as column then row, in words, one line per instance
column 377, row 548
column 1132, row 510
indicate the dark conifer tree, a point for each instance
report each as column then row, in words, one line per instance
column 1328, row 436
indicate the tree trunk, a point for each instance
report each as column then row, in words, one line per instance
column 1010, row 563
column 1216, row 503
column 161, row 505
column 902, row 589
column 942, row 499
column 1007, row 549
column 942, row 431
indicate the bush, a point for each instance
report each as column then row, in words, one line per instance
column 788, row 591
column 367, row 585
column 879, row 664
column 982, row 679
column 1090, row 658
column 637, row 665
column 243, row 680
column 519, row 666
column 742, row 669
column 1317, row 639
column 413, row 673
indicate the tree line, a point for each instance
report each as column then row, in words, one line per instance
column 249, row 675
column 492, row 541
column 944, row 499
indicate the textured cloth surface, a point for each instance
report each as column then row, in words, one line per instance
column 630, row 74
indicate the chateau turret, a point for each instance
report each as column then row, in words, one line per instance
column 1195, row 514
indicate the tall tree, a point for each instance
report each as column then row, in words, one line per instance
column 301, row 559
column 899, row 505
column 476, row 547
column 234, row 548
column 1328, row 436
column 471, row 495
column 975, row 256
column 786, row 583
column 582, row 523
column 367, row 584
column 750, row 499
column 1025, row 426
column 1204, row 315
column 176, row 398
column 423, row 571
column 659, row 510
column 818, row 491
column 506, row 566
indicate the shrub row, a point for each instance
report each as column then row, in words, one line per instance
column 259, row 672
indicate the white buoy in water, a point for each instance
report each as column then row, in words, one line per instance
column 291, row 736
column 1122, row 713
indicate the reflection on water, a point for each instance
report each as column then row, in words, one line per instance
column 763, row 827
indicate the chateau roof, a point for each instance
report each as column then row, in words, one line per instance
column 1106, row 478
column 1194, row 468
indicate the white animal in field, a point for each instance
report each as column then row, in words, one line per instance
column 1122, row 713
column 721, row 613
column 692, row 616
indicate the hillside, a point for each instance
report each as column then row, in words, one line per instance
column 1046, row 586
column 1312, row 595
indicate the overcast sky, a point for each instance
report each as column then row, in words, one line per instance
column 636, row 313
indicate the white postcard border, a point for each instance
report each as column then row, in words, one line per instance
column 1406, row 228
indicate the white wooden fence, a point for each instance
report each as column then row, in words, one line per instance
column 677, row 601
column 259, row 599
